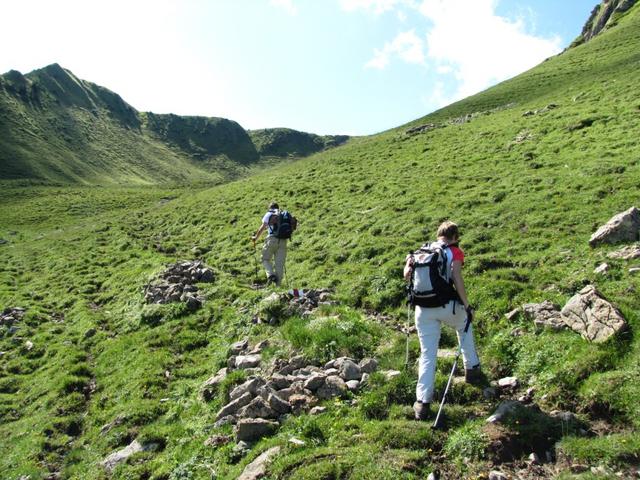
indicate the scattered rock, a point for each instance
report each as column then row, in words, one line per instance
column 317, row 410
column 601, row 269
column 120, row 456
column 28, row 345
column 634, row 270
column 508, row 382
column 534, row 459
column 391, row 374
column 589, row 314
column 252, row 429
column 629, row 252
column 512, row 314
column 297, row 442
column 11, row 315
column 217, row 440
column 544, row 314
column 353, row 385
column 622, row 227
column 258, row 468
column 210, row 386
column 495, row 475
column 504, row 409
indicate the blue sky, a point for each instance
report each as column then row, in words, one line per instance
column 325, row 66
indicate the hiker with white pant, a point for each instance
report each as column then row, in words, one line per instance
column 437, row 291
column 279, row 225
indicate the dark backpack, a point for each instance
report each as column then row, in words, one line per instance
column 430, row 284
column 284, row 225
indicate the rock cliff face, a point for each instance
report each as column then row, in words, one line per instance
column 603, row 16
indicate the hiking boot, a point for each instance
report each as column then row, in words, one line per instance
column 272, row 279
column 421, row 410
column 474, row 375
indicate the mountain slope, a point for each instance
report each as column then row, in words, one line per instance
column 55, row 127
column 527, row 181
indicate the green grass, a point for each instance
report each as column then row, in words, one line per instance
column 106, row 369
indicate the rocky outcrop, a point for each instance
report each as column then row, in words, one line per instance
column 591, row 315
column 603, row 16
column 623, row 227
column 177, row 284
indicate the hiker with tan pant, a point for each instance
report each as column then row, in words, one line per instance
column 279, row 225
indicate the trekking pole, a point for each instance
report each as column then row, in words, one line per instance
column 453, row 369
column 255, row 260
column 406, row 357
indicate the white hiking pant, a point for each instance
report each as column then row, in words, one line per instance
column 428, row 321
column 274, row 251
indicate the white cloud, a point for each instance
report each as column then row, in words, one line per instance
column 376, row 6
column 407, row 45
column 287, row 5
column 402, row 16
column 478, row 47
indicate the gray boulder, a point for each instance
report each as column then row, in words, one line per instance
column 592, row 316
column 544, row 314
column 252, row 429
column 623, row 227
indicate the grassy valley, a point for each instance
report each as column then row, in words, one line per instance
column 529, row 169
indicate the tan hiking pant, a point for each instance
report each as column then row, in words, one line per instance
column 274, row 249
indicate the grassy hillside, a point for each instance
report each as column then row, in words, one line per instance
column 103, row 368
